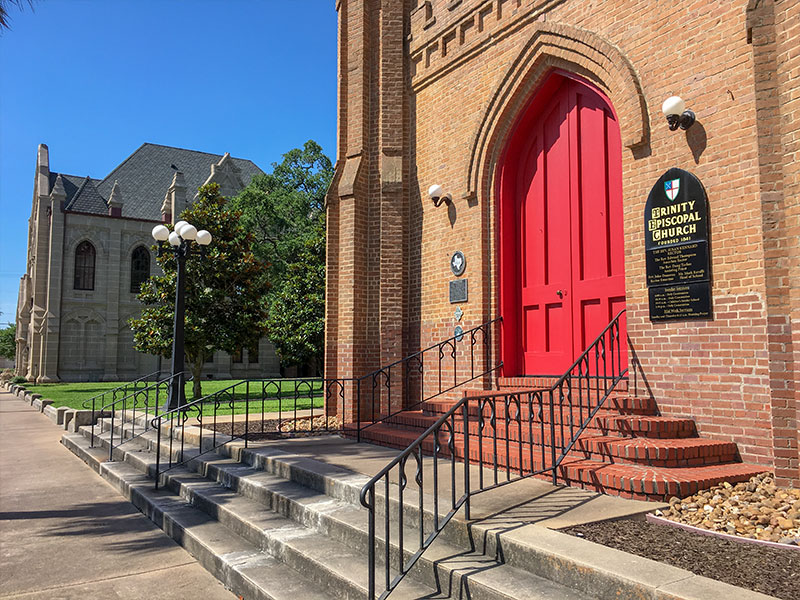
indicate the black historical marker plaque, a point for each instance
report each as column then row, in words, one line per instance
column 677, row 248
column 458, row 291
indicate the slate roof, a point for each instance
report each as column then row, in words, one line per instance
column 144, row 178
column 72, row 184
column 87, row 199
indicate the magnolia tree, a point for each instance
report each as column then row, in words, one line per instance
column 225, row 291
column 285, row 210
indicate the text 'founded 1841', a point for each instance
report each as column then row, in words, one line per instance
column 676, row 247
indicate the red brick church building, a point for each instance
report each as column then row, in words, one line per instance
column 564, row 191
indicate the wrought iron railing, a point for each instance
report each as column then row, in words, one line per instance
column 437, row 369
column 507, row 435
column 122, row 390
column 247, row 408
column 357, row 403
column 142, row 396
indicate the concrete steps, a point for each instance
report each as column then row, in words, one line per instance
column 298, row 514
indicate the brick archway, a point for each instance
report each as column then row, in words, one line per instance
column 554, row 46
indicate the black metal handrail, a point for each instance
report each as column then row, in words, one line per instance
column 360, row 402
column 296, row 406
column 119, row 389
column 387, row 397
column 139, row 398
column 506, row 427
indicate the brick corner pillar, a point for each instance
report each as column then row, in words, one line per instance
column 367, row 203
column 392, row 167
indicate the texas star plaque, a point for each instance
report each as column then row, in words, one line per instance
column 458, row 263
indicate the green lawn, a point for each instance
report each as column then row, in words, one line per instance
column 73, row 395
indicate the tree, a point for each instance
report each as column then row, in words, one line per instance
column 5, row 20
column 225, row 291
column 285, row 210
column 297, row 307
column 8, row 345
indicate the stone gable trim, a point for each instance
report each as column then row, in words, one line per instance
column 556, row 46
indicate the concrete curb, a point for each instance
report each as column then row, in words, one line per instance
column 719, row 535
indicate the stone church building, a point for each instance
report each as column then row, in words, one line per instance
column 542, row 123
column 89, row 250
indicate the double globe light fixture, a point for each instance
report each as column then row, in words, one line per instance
column 180, row 241
column 183, row 232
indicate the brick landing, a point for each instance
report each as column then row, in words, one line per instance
column 628, row 450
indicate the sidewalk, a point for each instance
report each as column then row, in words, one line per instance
column 65, row 533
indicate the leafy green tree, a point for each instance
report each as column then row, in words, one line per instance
column 285, row 210
column 8, row 347
column 297, row 307
column 225, row 291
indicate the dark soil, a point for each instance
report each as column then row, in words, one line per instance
column 767, row 570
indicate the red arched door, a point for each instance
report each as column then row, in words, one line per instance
column 562, row 264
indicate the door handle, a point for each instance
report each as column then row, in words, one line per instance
column 560, row 293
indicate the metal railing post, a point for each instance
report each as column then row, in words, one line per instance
column 158, row 448
column 466, row 458
column 553, row 437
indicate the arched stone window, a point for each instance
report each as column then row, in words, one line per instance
column 140, row 268
column 84, row 266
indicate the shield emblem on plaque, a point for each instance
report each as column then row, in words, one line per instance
column 671, row 188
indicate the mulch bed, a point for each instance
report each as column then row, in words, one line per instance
column 769, row 571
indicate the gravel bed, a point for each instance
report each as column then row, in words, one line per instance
column 771, row 571
column 755, row 509
column 268, row 428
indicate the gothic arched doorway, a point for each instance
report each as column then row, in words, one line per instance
column 561, row 239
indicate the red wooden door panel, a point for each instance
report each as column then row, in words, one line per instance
column 597, row 252
column 562, row 274
column 543, row 191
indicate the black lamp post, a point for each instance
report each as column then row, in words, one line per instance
column 180, row 243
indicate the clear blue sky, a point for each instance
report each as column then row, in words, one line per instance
column 94, row 79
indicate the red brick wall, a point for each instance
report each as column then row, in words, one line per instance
column 444, row 101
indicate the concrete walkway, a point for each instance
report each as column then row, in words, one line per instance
column 65, row 533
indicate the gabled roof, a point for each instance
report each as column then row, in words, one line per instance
column 144, row 178
column 71, row 184
column 87, row 199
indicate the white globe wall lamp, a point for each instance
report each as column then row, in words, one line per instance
column 674, row 108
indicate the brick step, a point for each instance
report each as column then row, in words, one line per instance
column 681, row 452
column 629, row 480
column 648, row 426
column 621, row 404
column 541, row 381
column 662, row 452
column 653, row 483
column 604, row 423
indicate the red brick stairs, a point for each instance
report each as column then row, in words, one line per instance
column 627, row 450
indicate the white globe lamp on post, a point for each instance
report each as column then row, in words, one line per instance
column 179, row 243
